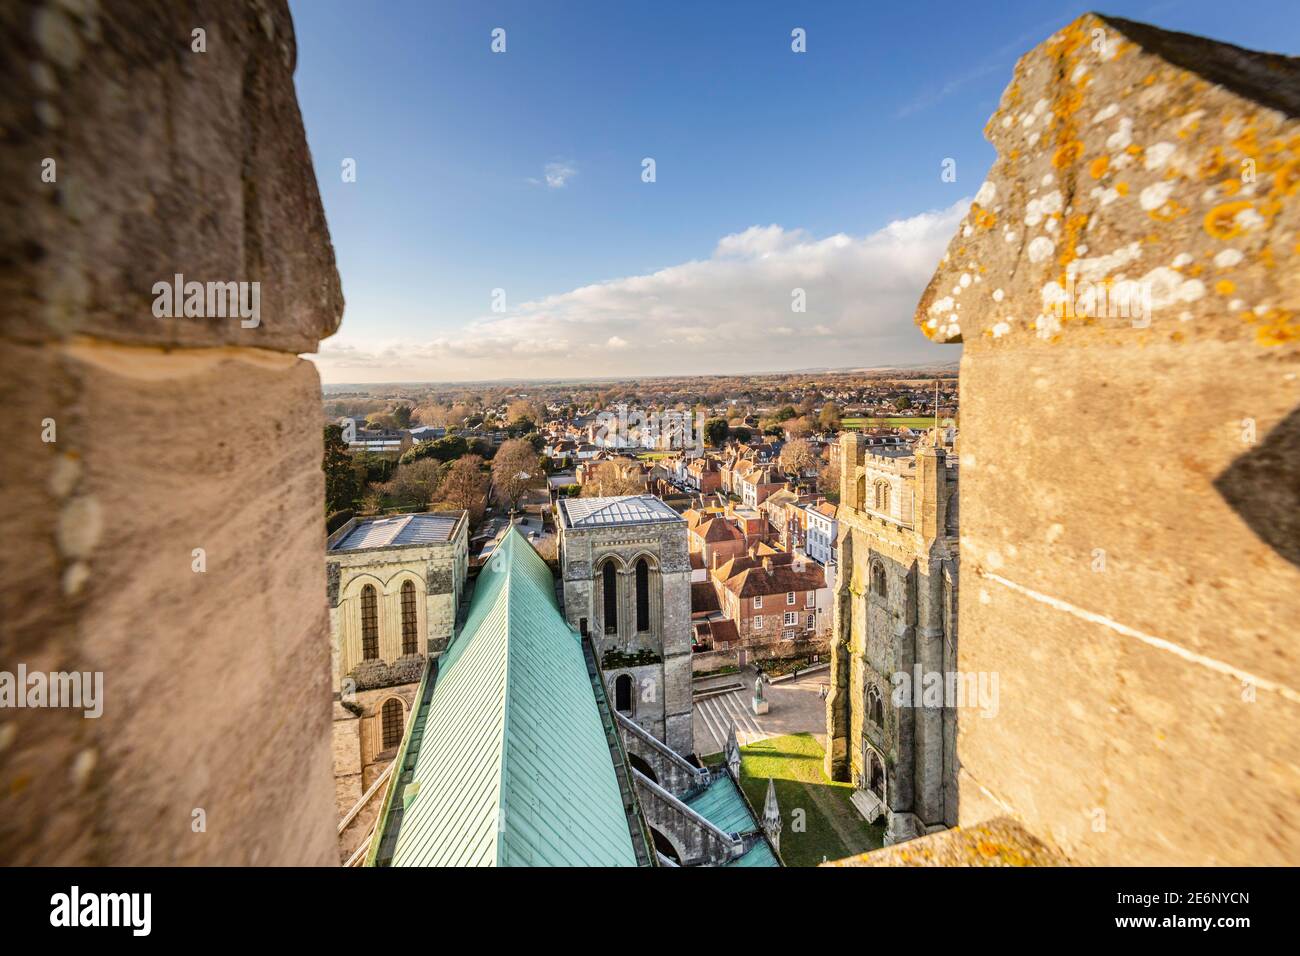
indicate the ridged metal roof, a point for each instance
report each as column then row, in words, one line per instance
column 622, row 509
column 723, row 805
column 514, row 767
column 397, row 531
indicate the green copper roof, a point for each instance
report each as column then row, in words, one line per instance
column 760, row 854
column 513, row 768
column 722, row 805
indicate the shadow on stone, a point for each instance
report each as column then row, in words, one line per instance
column 1263, row 487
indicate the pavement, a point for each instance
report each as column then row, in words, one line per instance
column 794, row 707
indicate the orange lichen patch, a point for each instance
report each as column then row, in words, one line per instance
column 1231, row 186
column 1168, row 212
column 1071, row 39
column 1220, row 222
column 1287, row 179
column 1225, row 287
column 1121, row 187
column 982, row 218
column 1067, row 103
column 1246, row 142
column 1097, row 168
column 1276, row 327
column 1212, row 164
column 1133, row 149
column 1149, row 79
column 1195, row 270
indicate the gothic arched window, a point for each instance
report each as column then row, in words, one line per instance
column 410, row 627
column 392, row 723
column 369, row 623
column 877, row 578
column 642, row 595
column 623, row 694
column 609, row 585
column 875, row 708
column 882, row 495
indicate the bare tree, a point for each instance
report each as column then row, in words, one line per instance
column 465, row 487
column 611, row 478
column 515, row 470
column 828, row 479
column 798, row 456
column 797, row 428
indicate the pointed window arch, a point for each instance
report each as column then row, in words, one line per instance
column 876, row 774
column 875, row 707
column 877, row 578
column 882, row 495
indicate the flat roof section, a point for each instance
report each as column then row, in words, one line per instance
column 397, row 531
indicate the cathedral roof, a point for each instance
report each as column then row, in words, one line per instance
column 512, row 764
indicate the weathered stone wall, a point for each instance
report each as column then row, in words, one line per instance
column 1131, row 490
column 169, row 435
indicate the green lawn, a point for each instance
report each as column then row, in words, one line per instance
column 854, row 424
column 829, row 827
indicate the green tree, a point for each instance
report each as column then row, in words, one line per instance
column 829, row 417
column 716, row 431
column 341, row 486
column 443, row 449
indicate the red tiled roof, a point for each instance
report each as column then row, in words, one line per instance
column 777, row 578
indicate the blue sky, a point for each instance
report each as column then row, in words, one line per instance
column 768, row 164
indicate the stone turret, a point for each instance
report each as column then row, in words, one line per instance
column 772, row 816
column 851, row 445
column 931, row 487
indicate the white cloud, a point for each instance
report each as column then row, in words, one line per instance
column 556, row 175
column 730, row 312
